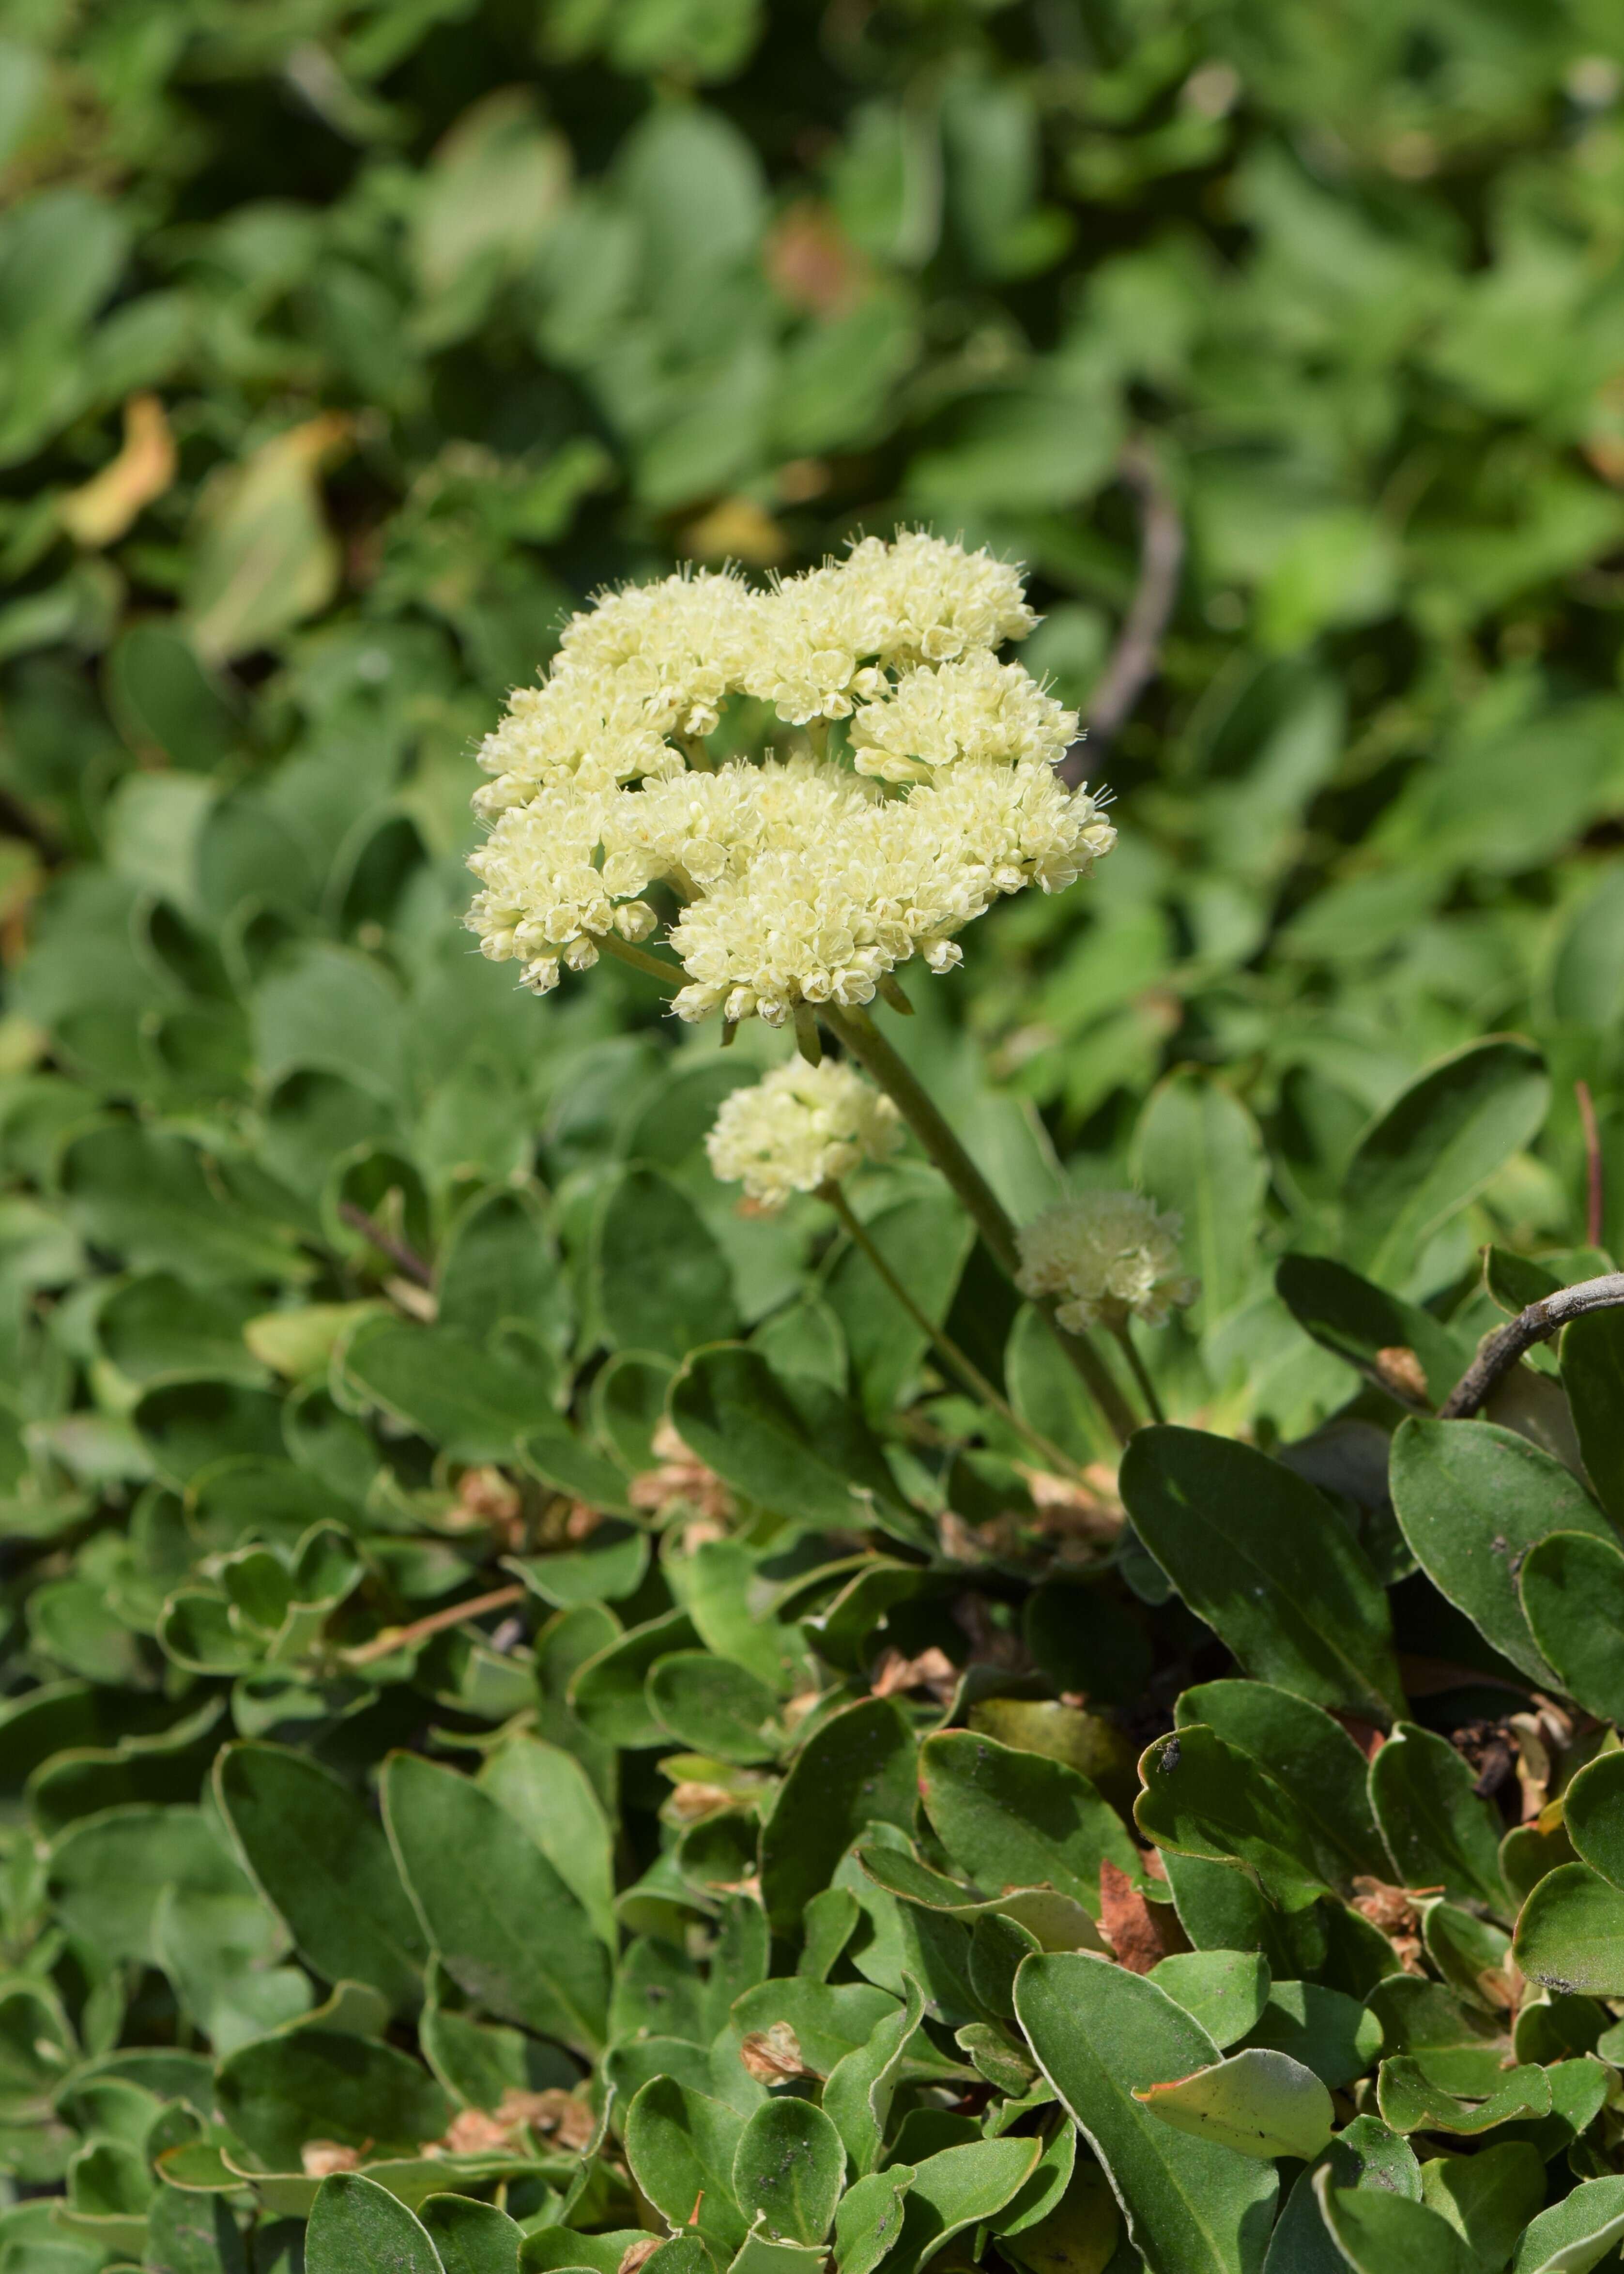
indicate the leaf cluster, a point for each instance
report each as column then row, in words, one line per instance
column 542, row 1728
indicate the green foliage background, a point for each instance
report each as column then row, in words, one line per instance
column 453, row 313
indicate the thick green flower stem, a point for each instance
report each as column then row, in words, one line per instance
column 670, row 976
column 1147, row 1387
column 960, row 1361
column 863, row 1039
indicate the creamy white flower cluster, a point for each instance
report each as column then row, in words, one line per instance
column 804, row 879
column 799, row 1127
column 1109, row 1255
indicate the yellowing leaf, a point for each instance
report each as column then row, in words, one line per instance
column 298, row 1343
column 265, row 557
column 1258, row 2102
column 100, row 512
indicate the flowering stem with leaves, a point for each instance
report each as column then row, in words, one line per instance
column 861, row 1037
column 958, row 1358
column 928, row 780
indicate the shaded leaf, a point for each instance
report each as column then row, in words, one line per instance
column 1256, row 1552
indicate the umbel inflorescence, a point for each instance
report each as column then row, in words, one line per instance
column 799, row 1128
column 1108, row 1256
column 804, row 879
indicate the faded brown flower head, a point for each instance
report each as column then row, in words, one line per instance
column 773, row 2056
column 932, row 1670
column 569, row 2119
column 1395, row 1911
column 471, row 2132
column 636, row 2254
column 493, row 2132
column 1402, row 1373
column 320, row 2158
column 682, row 1477
column 485, row 1497
column 690, row 1800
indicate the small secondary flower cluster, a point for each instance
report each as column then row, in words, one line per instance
column 804, row 879
column 800, row 1127
column 1109, row 1256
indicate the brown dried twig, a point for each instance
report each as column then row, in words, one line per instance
column 1500, row 1351
column 406, row 1260
column 1138, row 648
column 393, row 1638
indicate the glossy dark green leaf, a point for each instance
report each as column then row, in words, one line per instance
column 713, row 1705
column 511, row 1934
column 1571, row 1586
column 1438, row 1831
column 158, row 1324
column 1380, row 2233
column 608, row 1694
column 789, row 2170
column 1225, row 1991
column 1488, row 2198
column 170, row 1766
column 320, row 2084
column 1365, row 2154
column 1100, row 2032
column 498, row 1264
column 549, row 1792
column 1570, row 1933
column 605, row 1568
column 1257, row 1553
column 789, row 1443
column 957, row 2188
column 1412, row 2099
column 470, row 2237
column 321, row 1859
column 1435, row 1149
column 1205, row 1798
column 1013, row 1819
column 166, row 702
column 1310, row 1755
column 1575, row 2235
column 1593, row 1816
column 446, row 1387
column 1326, row 2030
column 563, row 1458
column 925, row 1240
column 1078, row 2234
column 1473, row 1498
column 146, row 1194
column 357, row 2227
column 1593, row 1376
column 1372, row 1329
column 682, row 2147
column 856, row 1768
